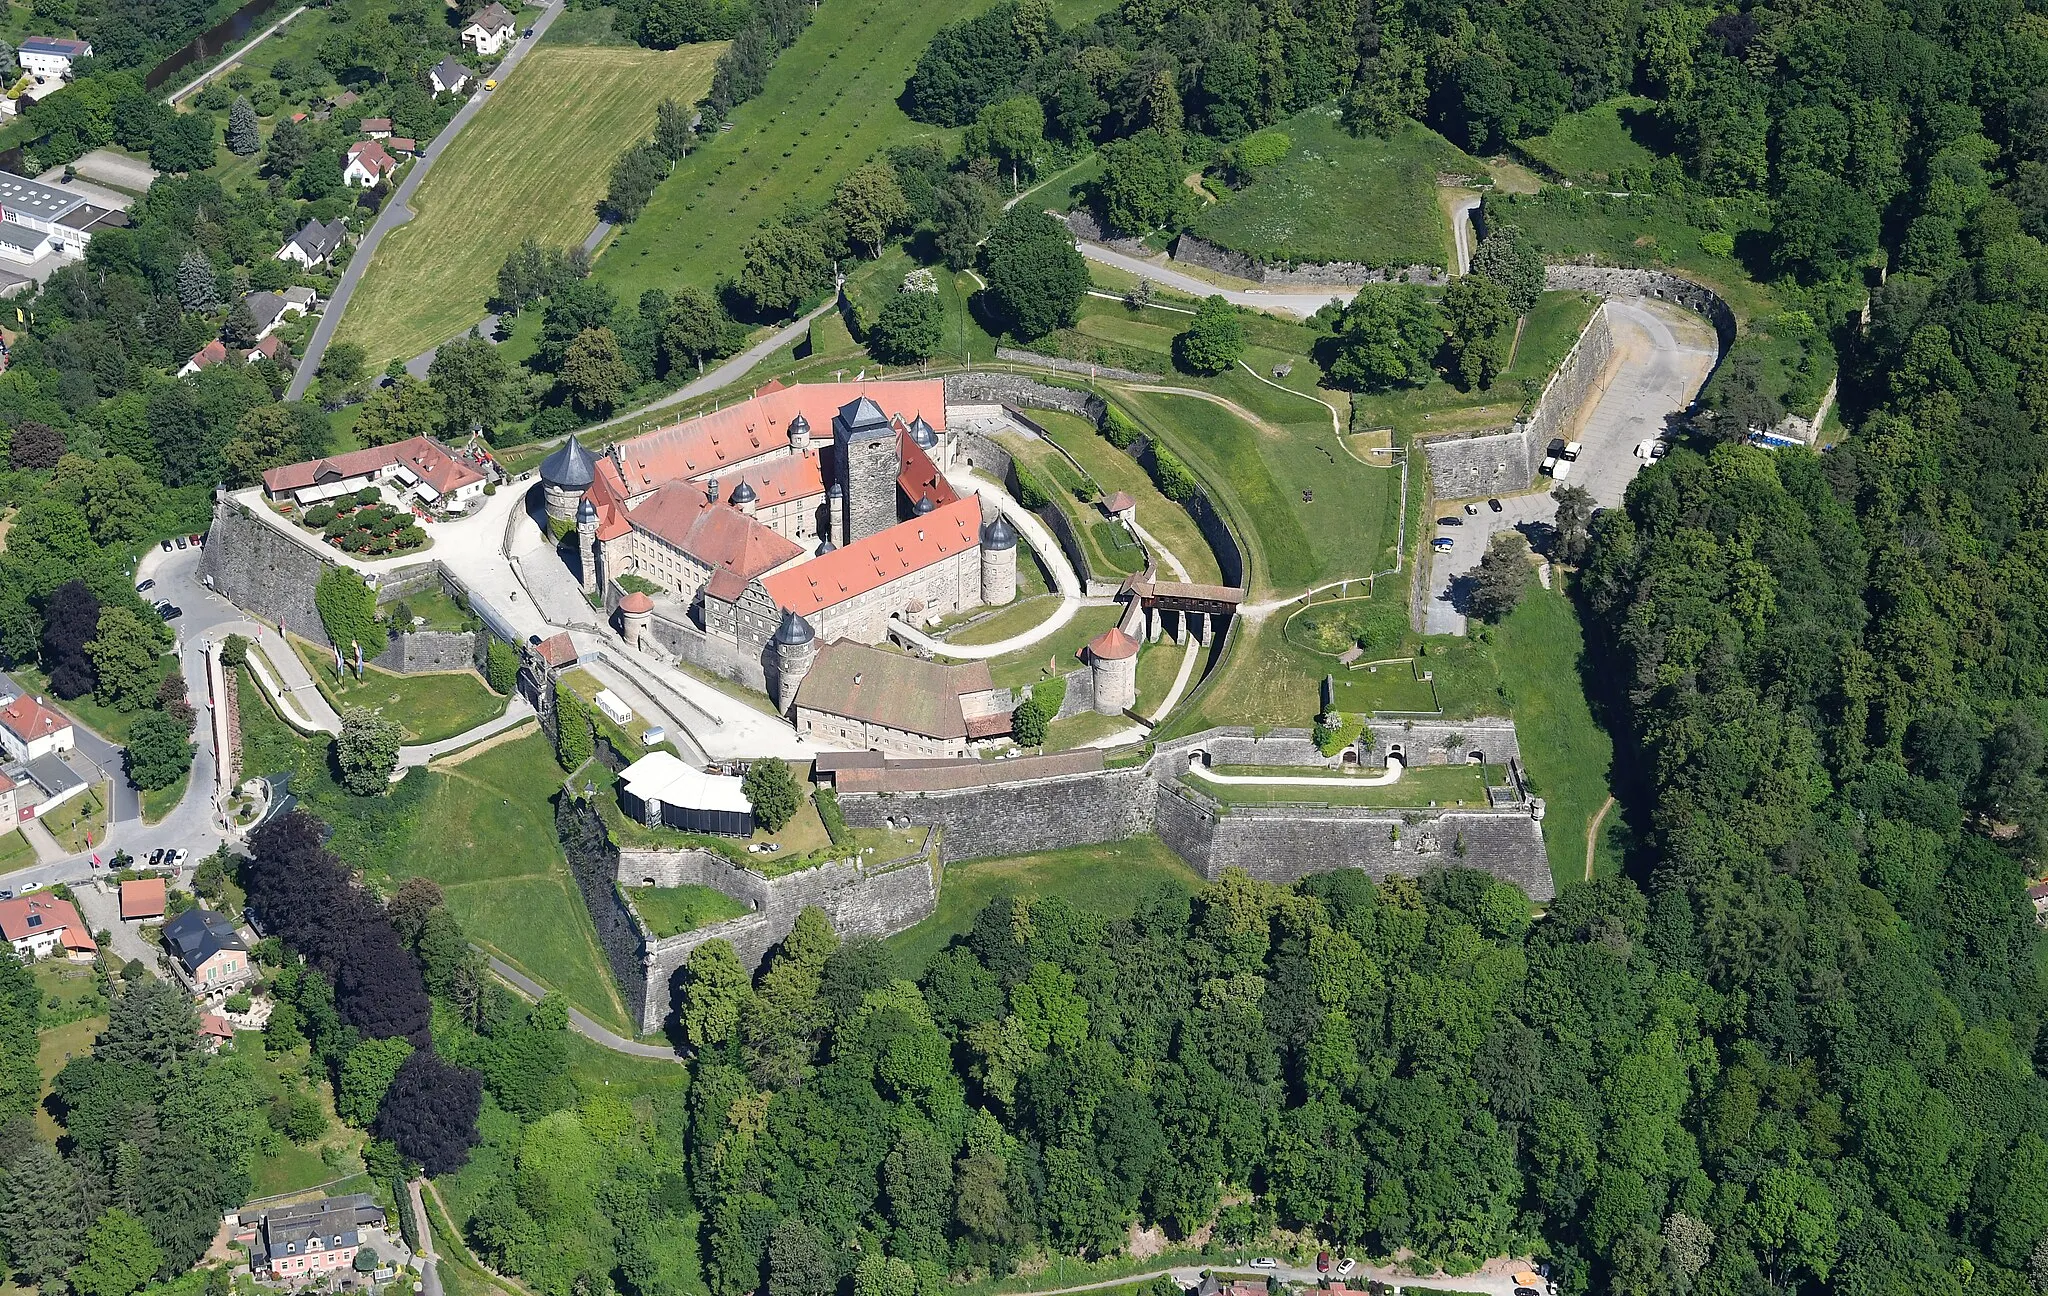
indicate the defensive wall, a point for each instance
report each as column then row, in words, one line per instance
column 272, row 576
column 1190, row 250
column 1278, row 843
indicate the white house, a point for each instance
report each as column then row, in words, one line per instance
column 490, row 30
column 315, row 244
column 40, row 925
column 271, row 309
column 29, row 729
column 50, row 57
column 448, row 76
column 368, row 164
column 37, row 219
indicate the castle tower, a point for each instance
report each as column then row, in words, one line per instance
column 564, row 476
column 924, row 504
column 796, row 647
column 835, row 514
column 1113, row 667
column 998, row 561
column 800, row 435
column 744, row 497
column 586, row 544
column 864, row 444
column 636, row 610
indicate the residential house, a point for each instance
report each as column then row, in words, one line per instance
column 402, row 145
column 368, row 165
column 214, row 1031
column 309, row 1239
column 2037, row 895
column 440, row 477
column 316, row 244
column 43, row 784
column 37, row 926
column 207, row 953
column 490, row 29
column 204, row 358
column 448, row 76
column 50, row 57
column 301, row 298
column 38, row 219
column 272, row 349
column 9, row 796
column 29, row 728
column 142, row 899
column 377, row 127
column 270, row 310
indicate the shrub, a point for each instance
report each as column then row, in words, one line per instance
column 1174, row 478
column 1118, row 429
column 367, row 495
column 827, row 801
column 318, row 516
column 1029, row 493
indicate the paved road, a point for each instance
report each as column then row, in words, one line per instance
column 1493, row 1279
column 1297, row 303
column 581, row 1024
column 729, row 372
column 396, row 212
column 1662, row 354
column 430, row 1277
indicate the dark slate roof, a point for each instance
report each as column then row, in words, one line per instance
column 571, row 467
column 319, row 240
column 198, row 934
column 448, row 71
column 585, row 511
column 922, row 433
column 997, row 533
column 286, row 1230
column 744, row 493
column 862, row 420
column 794, row 630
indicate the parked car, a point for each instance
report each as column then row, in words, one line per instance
column 1450, row 520
column 1550, row 463
column 27, row 887
column 1344, row 1270
column 145, row 586
column 1658, row 450
column 181, row 542
column 156, row 857
column 198, row 539
column 1494, row 504
column 1561, row 469
column 1555, row 448
column 1444, row 544
column 1527, row 1291
column 169, row 611
column 167, row 546
column 176, row 859
column 1322, row 1262
column 528, row 33
column 492, row 84
column 1571, row 451
column 1471, row 510
column 1265, row 1262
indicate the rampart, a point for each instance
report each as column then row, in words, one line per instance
column 1621, row 281
column 1190, row 250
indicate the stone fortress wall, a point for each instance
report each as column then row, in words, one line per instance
column 1189, row 250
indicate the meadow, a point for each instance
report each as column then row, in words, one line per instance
column 1343, row 197
column 534, row 163
column 426, row 708
column 1595, row 146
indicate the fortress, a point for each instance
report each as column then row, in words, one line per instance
column 801, row 516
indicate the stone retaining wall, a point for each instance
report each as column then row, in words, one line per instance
column 988, row 388
column 1081, row 368
column 418, row 651
column 685, row 642
column 263, row 571
column 860, row 900
column 1190, row 250
column 1619, row 281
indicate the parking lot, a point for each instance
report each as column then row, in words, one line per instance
column 1662, row 354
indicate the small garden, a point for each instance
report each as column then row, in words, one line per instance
column 363, row 524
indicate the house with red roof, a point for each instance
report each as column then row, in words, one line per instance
column 30, row 728
column 142, row 899
column 205, row 357
column 419, row 465
column 38, row 926
column 367, row 165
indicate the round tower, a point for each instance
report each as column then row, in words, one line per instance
column 796, row 646
column 998, row 561
column 586, row 543
column 923, row 433
column 744, row 497
column 564, row 476
column 636, row 610
column 924, row 504
column 800, row 434
column 1113, row 667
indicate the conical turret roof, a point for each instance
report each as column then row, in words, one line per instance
column 569, row 468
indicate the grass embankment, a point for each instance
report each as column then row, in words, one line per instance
column 426, row 708
column 1423, row 786
column 294, row 1167
column 829, row 104
column 1111, row 551
column 15, row 852
column 1109, row 880
column 1548, row 332
column 671, row 911
column 1343, row 197
column 109, row 722
column 532, row 164
column 1113, row 470
column 1595, row 146
column 1056, row 654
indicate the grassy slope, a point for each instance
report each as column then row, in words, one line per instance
column 1340, row 197
column 488, row 838
column 1594, row 145
column 829, row 105
column 427, row 708
column 1553, row 324
column 1110, row 880
column 1114, row 470
column 533, row 163
column 669, row 911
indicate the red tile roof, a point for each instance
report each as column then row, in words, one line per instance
column 919, row 476
column 1113, row 645
column 757, row 426
column 142, row 898
column 28, row 719
column 778, row 481
column 557, row 650
column 372, row 156
column 717, row 535
column 1120, row 501
column 426, row 459
column 49, row 913
column 636, row 602
column 215, row 1025
column 270, row 347
column 211, row 354
column 869, row 564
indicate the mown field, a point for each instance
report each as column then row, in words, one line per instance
column 533, row 163
column 829, row 105
column 1343, row 197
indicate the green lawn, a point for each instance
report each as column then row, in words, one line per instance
column 1441, row 785
column 533, row 164
column 1109, row 880
column 426, row 708
column 1112, row 553
column 1158, row 667
column 671, row 911
column 1595, row 146
column 1084, row 730
column 1342, row 197
column 110, row 723
column 489, row 832
column 1307, row 509
column 440, row 611
column 55, row 1047
column 1058, row 652
column 1113, row 470
column 291, row 1167
column 1549, row 331
column 15, row 852
column 829, row 105
column 80, row 822
column 158, row 802
column 1014, row 619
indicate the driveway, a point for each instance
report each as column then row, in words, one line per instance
column 102, row 912
column 1532, row 514
column 396, row 212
